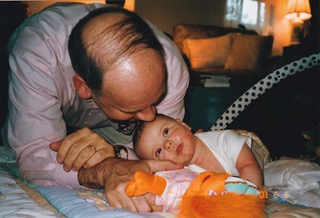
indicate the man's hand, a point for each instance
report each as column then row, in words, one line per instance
column 113, row 174
column 83, row 148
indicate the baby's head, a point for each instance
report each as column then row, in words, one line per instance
column 139, row 138
column 164, row 138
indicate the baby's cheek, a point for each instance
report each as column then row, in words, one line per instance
column 186, row 156
column 172, row 156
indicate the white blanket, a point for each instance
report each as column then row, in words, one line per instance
column 295, row 181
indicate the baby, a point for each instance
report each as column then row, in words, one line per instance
column 232, row 151
column 166, row 138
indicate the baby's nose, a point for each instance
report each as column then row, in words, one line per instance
column 168, row 145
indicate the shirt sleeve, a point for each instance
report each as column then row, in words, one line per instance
column 178, row 78
column 37, row 52
column 226, row 146
column 178, row 81
column 230, row 149
column 35, row 120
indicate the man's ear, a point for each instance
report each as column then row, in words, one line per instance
column 81, row 87
column 183, row 124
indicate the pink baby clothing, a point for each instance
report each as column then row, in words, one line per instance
column 178, row 182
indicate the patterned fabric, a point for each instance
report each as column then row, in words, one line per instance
column 178, row 182
column 262, row 86
column 256, row 141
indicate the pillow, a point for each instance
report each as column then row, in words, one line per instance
column 249, row 51
column 208, row 52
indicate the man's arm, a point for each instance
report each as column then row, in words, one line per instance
column 40, row 88
column 113, row 174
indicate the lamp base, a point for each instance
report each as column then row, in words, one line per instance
column 297, row 32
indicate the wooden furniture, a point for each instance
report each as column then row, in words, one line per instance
column 205, row 105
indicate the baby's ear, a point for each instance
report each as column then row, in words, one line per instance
column 182, row 123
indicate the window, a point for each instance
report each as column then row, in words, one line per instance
column 253, row 14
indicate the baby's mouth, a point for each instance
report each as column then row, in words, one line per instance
column 179, row 149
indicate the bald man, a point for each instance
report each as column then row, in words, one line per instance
column 81, row 77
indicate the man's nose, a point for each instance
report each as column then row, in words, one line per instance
column 168, row 145
column 147, row 114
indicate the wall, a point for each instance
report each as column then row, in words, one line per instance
column 281, row 29
column 36, row 6
column 166, row 13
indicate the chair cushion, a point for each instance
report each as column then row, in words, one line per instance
column 208, row 52
column 249, row 51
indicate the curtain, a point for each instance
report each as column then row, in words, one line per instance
column 250, row 13
column 233, row 13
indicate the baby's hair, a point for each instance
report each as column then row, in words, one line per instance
column 137, row 134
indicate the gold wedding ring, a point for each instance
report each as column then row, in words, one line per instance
column 95, row 150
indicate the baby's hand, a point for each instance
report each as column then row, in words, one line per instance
column 241, row 186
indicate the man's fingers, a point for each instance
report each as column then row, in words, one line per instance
column 75, row 142
column 100, row 155
column 79, row 151
column 82, row 148
column 118, row 199
column 87, row 153
column 141, row 204
column 137, row 203
column 55, row 145
column 161, row 165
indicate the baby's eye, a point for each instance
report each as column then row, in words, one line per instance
column 165, row 132
column 158, row 151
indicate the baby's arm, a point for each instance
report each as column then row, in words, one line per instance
column 248, row 166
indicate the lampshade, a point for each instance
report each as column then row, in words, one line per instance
column 298, row 10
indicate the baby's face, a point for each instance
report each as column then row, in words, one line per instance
column 167, row 139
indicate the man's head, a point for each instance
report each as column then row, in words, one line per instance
column 119, row 63
column 165, row 138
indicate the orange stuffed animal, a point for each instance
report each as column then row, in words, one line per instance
column 209, row 194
